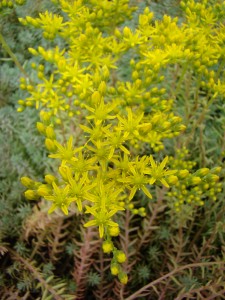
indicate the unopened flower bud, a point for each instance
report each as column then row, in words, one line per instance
column 183, row 173
column 195, row 180
column 107, row 246
column 31, row 195
column 27, row 182
column 216, row 170
column 44, row 190
column 50, row 178
column 114, row 231
column 50, row 145
column 120, row 257
column 172, row 179
column 45, row 117
column 126, row 32
column 202, row 172
column 123, row 277
column 50, row 133
column 115, row 269
column 40, row 127
column 96, row 97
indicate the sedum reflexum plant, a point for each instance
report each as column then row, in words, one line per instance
column 95, row 122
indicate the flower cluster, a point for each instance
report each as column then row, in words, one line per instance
column 84, row 95
column 10, row 3
column 192, row 188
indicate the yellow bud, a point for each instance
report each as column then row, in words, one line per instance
column 131, row 206
column 27, row 182
column 146, row 11
column 123, row 278
column 40, row 75
column 214, row 177
column 102, row 87
column 100, row 13
column 120, row 257
column 107, row 246
column 182, row 4
column 43, row 190
column 105, row 72
column 31, row 195
column 126, row 32
column 211, row 178
column 172, row 179
column 175, row 120
column 50, row 178
column 181, row 127
column 141, row 210
column 45, row 117
column 40, row 127
column 22, row 21
column 41, row 50
column 143, row 20
column 50, row 145
column 29, row 104
column 114, row 231
column 21, row 102
column 117, row 33
column 166, row 125
column 122, row 203
column 96, row 97
column 202, row 172
column 206, row 186
column 183, row 173
column 29, row 19
column 33, row 51
column 114, row 269
column 33, row 65
column 63, row 172
column 20, row 109
column 23, row 86
column 195, row 180
column 50, row 133
column 216, row 170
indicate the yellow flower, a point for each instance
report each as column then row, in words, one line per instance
column 157, row 171
column 65, row 153
column 59, row 198
column 102, row 219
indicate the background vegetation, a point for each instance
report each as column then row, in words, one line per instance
column 52, row 256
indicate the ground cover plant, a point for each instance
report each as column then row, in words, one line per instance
column 119, row 142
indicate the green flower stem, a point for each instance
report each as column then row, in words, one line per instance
column 183, row 73
column 12, row 55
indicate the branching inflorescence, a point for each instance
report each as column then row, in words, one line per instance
column 100, row 171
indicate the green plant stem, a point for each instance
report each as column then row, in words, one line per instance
column 177, row 91
column 202, row 147
column 198, row 122
column 12, row 55
column 177, row 270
